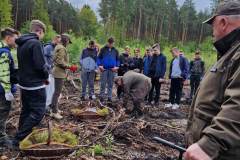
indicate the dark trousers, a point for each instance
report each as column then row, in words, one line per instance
column 5, row 107
column 176, row 90
column 58, row 89
column 194, row 82
column 33, row 110
column 156, row 85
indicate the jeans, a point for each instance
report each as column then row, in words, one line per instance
column 88, row 79
column 194, row 83
column 58, row 89
column 107, row 78
column 155, row 85
column 50, row 90
column 176, row 90
column 5, row 107
column 33, row 111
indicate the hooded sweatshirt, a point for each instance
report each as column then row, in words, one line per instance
column 32, row 67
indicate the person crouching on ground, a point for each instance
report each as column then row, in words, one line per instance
column 135, row 87
column 89, row 66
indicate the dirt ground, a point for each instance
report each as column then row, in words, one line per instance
column 118, row 135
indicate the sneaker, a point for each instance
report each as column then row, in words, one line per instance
column 109, row 100
column 93, row 97
column 83, row 98
column 60, row 111
column 175, row 106
column 168, row 105
column 56, row 116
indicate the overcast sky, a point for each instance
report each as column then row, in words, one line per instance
column 200, row 4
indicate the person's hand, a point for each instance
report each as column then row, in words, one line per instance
column 73, row 68
column 101, row 68
column 9, row 96
column 161, row 80
column 115, row 69
column 194, row 152
column 46, row 82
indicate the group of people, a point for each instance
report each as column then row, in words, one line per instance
column 213, row 124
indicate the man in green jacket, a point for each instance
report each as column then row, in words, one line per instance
column 7, row 88
column 213, row 131
column 135, row 87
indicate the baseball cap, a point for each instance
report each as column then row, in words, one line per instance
column 230, row 7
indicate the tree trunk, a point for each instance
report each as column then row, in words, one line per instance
column 139, row 22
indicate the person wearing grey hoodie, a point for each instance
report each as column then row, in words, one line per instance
column 88, row 62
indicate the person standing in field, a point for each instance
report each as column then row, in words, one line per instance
column 61, row 64
column 146, row 61
column 48, row 53
column 137, row 61
column 197, row 70
column 126, row 63
column 178, row 74
column 108, row 62
column 213, row 130
column 33, row 77
column 7, row 80
column 88, row 62
column 157, row 70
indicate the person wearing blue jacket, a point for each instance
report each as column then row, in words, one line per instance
column 157, row 70
column 178, row 73
column 146, row 61
column 108, row 62
column 88, row 62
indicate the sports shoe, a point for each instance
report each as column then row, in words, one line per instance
column 168, row 105
column 57, row 116
column 93, row 97
column 175, row 106
column 83, row 98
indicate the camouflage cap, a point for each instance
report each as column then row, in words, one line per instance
column 227, row 7
column 66, row 36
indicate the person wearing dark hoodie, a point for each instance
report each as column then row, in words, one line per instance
column 197, row 70
column 126, row 64
column 88, row 62
column 7, row 87
column 157, row 70
column 33, row 75
column 108, row 62
column 137, row 61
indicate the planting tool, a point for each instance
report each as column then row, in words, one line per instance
column 171, row 145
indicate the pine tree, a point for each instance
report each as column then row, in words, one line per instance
column 5, row 13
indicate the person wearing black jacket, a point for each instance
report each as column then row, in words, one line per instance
column 126, row 63
column 33, row 75
column 137, row 61
column 157, row 70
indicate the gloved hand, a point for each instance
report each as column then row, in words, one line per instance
column 73, row 68
column 9, row 96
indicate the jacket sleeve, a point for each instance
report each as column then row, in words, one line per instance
column 81, row 58
column 59, row 58
column 100, row 57
column 185, row 68
column 39, row 61
column 164, row 67
column 224, row 131
column 5, row 72
column 117, row 59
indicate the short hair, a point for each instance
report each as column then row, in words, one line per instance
column 8, row 32
column 37, row 25
column 197, row 53
column 175, row 49
column 91, row 43
column 111, row 40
